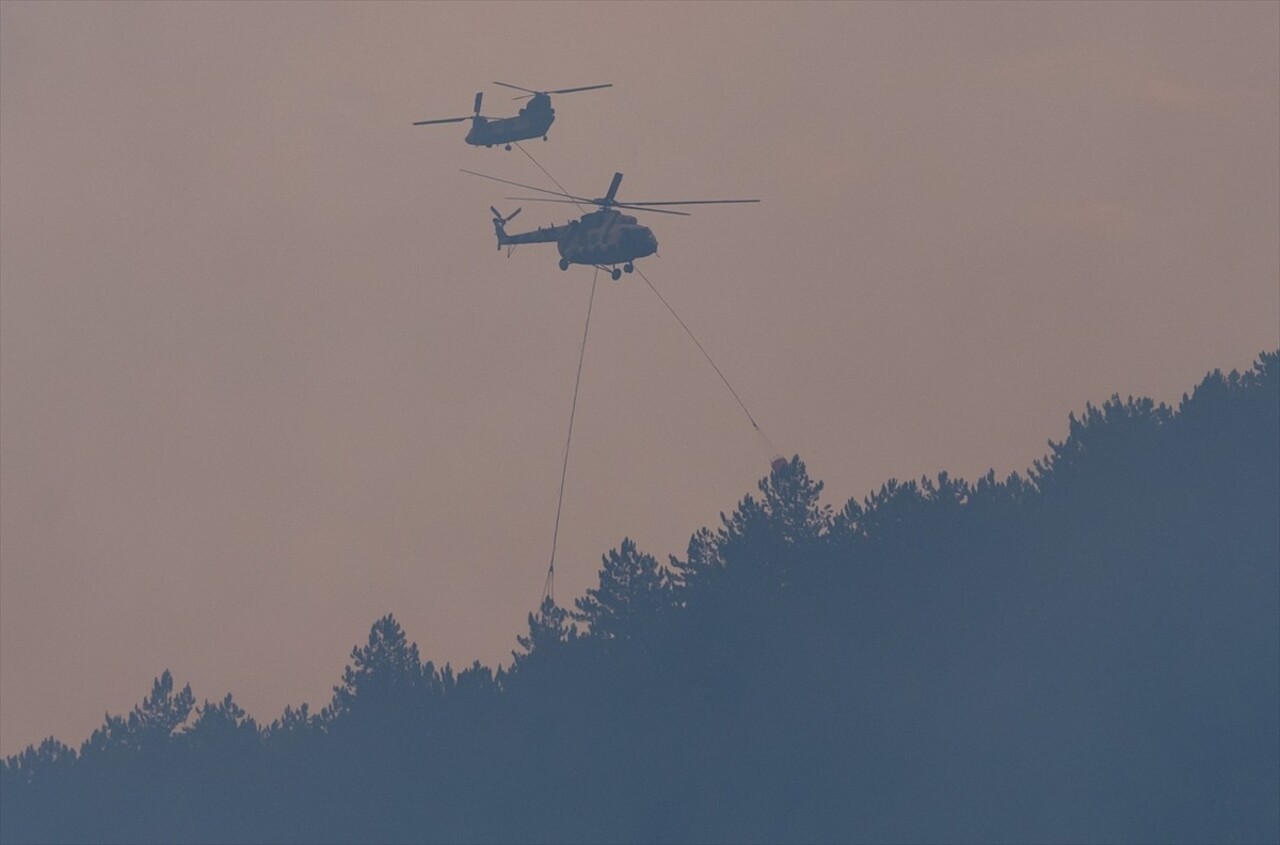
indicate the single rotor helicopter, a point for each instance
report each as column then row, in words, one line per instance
column 601, row 239
column 533, row 121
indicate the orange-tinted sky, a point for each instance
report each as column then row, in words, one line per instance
column 264, row 377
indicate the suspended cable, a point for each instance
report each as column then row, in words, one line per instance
column 548, row 175
column 704, row 352
column 548, row 589
column 707, row 355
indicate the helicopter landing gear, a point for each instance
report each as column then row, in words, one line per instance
column 614, row 272
column 628, row 267
column 544, row 137
column 508, row 148
column 564, row 264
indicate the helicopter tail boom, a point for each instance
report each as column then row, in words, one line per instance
column 541, row 235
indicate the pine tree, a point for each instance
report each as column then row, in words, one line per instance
column 385, row 672
column 634, row 592
column 549, row 630
column 150, row 724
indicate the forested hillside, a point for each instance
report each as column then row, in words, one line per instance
column 1087, row 652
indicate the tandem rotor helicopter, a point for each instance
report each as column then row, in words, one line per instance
column 533, row 121
column 600, row 239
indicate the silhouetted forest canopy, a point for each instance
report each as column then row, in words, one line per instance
column 1089, row 651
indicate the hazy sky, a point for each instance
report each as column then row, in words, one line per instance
column 264, row 376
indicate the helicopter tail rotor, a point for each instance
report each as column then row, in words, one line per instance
column 498, row 218
column 500, row 223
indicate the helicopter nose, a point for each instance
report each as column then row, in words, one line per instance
column 640, row 241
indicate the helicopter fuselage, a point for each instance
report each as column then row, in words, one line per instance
column 533, row 121
column 606, row 237
column 598, row 238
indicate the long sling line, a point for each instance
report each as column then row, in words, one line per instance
column 707, row 355
column 548, row 588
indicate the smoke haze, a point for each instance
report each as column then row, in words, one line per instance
column 265, row 378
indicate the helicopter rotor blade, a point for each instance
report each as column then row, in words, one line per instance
column 613, row 188
column 531, row 92
column 517, row 87
column 547, row 199
column 441, row 120
column 583, row 88
column 479, row 97
column 528, row 187
column 648, row 208
column 597, row 202
column 688, row 202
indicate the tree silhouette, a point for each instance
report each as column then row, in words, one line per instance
column 48, row 759
column 633, row 593
column 384, row 673
column 150, row 724
column 223, row 724
column 1087, row 652
column 550, row 630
